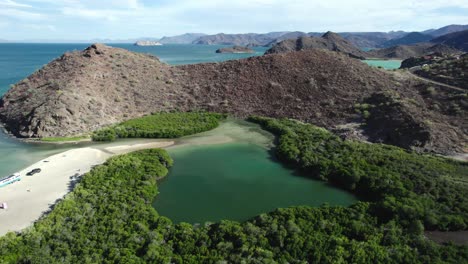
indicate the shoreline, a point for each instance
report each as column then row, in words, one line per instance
column 32, row 197
column 61, row 171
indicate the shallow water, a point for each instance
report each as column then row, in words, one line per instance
column 235, row 180
column 386, row 64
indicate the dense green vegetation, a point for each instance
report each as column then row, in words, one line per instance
column 108, row 218
column 404, row 186
column 63, row 139
column 161, row 125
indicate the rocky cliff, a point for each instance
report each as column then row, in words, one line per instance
column 82, row 91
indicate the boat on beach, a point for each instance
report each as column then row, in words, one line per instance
column 10, row 179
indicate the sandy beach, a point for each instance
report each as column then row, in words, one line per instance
column 31, row 197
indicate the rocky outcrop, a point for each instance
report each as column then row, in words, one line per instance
column 235, row 49
column 83, row 91
column 329, row 41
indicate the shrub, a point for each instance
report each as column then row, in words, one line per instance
column 161, row 125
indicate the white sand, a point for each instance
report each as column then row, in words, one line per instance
column 29, row 198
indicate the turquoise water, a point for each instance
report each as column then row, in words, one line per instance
column 386, row 64
column 17, row 61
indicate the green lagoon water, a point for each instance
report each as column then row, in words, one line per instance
column 236, row 180
column 386, row 64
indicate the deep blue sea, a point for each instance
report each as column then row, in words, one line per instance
column 17, row 61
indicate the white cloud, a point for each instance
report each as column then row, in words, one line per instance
column 10, row 3
column 20, row 14
column 135, row 18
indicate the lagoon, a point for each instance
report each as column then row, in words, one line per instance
column 235, row 180
column 386, row 64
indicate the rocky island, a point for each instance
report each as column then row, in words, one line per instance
column 235, row 49
column 147, row 43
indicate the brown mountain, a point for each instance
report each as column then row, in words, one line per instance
column 82, row 91
column 445, row 30
column 407, row 51
column 457, row 40
column 329, row 41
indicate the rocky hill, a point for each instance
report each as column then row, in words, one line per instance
column 407, row 51
column 457, row 40
column 411, row 38
column 83, row 91
column 329, row 41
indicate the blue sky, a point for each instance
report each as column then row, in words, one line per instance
column 124, row 19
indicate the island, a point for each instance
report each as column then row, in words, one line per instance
column 147, row 43
column 236, row 50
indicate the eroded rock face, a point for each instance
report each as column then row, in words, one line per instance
column 83, row 91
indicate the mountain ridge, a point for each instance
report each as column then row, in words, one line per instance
column 458, row 40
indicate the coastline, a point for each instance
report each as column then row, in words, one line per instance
column 61, row 171
column 32, row 197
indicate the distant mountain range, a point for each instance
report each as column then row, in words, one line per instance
column 458, row 40
column 411, row 38
column 445, row 30
column 335, row 42
column 359, row 39
column 407, row 51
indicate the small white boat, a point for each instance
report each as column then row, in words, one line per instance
column 10, row 179
column 4, row 206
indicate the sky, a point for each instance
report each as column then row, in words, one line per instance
column 130, row 19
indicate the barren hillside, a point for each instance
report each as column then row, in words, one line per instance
column 82, row 91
